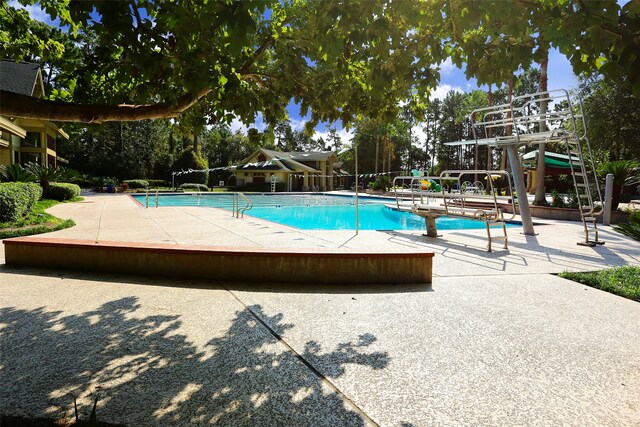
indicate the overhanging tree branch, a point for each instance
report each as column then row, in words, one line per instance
column 21, row 106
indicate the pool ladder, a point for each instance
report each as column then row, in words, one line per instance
column 238, row 211
column 146, row 199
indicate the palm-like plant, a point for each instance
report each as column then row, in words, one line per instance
column 632, row 228
column 625, row 172
column 44, row 174
column 16, row 173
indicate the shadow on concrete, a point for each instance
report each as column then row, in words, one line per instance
column 145, row 372
column 519, row 253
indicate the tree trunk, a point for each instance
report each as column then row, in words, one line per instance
column 377, row 152
column 540, row 198
column 489, row 133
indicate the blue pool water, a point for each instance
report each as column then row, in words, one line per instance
column 317, row 211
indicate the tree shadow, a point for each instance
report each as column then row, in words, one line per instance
column 145, row 371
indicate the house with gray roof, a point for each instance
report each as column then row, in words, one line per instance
column 267, row 170
column 26, row 140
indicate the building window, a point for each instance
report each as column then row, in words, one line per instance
column 261, row 157
column 30, row 158
column 31, row 140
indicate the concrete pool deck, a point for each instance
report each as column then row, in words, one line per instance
column 495, row 340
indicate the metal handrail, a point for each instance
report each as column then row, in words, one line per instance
column 456, row 175
column 415, row 182
column 247, row 207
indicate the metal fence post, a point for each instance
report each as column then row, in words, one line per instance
column 608, row 199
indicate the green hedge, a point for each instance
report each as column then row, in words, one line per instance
column 17, row 199
column 194, row 186
column 136, row 183
column 61, row 191
column 158, row 183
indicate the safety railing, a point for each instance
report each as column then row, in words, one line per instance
column 418, row 188
column 146, row 199
column 464, row 196
column 238, row 211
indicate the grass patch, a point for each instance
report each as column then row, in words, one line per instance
column 622, row 281
column 37, row 221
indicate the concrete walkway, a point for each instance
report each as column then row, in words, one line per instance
column 496, row 340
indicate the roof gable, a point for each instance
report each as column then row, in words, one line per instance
column 23, row 78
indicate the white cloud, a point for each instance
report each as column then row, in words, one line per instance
column 446, row 67
column 345, row 135
column 297, row 124
column 441, row 91
column 35, row 12
column 237, row 126
column 418, row 132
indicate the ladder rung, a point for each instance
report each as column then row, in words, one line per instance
column 581, row 184
column 586, row 208
column 589, row 218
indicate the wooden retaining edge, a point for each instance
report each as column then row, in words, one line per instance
column 236, row 264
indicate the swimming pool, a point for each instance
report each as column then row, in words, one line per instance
column 317, row 211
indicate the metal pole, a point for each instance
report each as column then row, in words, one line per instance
column 157, row 198
column 146, row 200
column 521, row 191
column 608, row 198
column 356, row 147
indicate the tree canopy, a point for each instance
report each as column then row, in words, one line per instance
column 142, row 59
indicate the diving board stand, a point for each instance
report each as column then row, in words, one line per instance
column 521, row 123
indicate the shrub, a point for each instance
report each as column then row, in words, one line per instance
column 632, row 228
column 17, row 199
column 61, row 191
column 383, row 183
column 557, row 200
column 136, row 183
column 44, row 174
column 76, row 177
column 158, row 183
column 625, row 173
column 194, row 186
column 16, row 173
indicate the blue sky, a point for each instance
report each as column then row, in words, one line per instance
column 452, row 78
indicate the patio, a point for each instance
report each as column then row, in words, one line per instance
column 497, row 339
